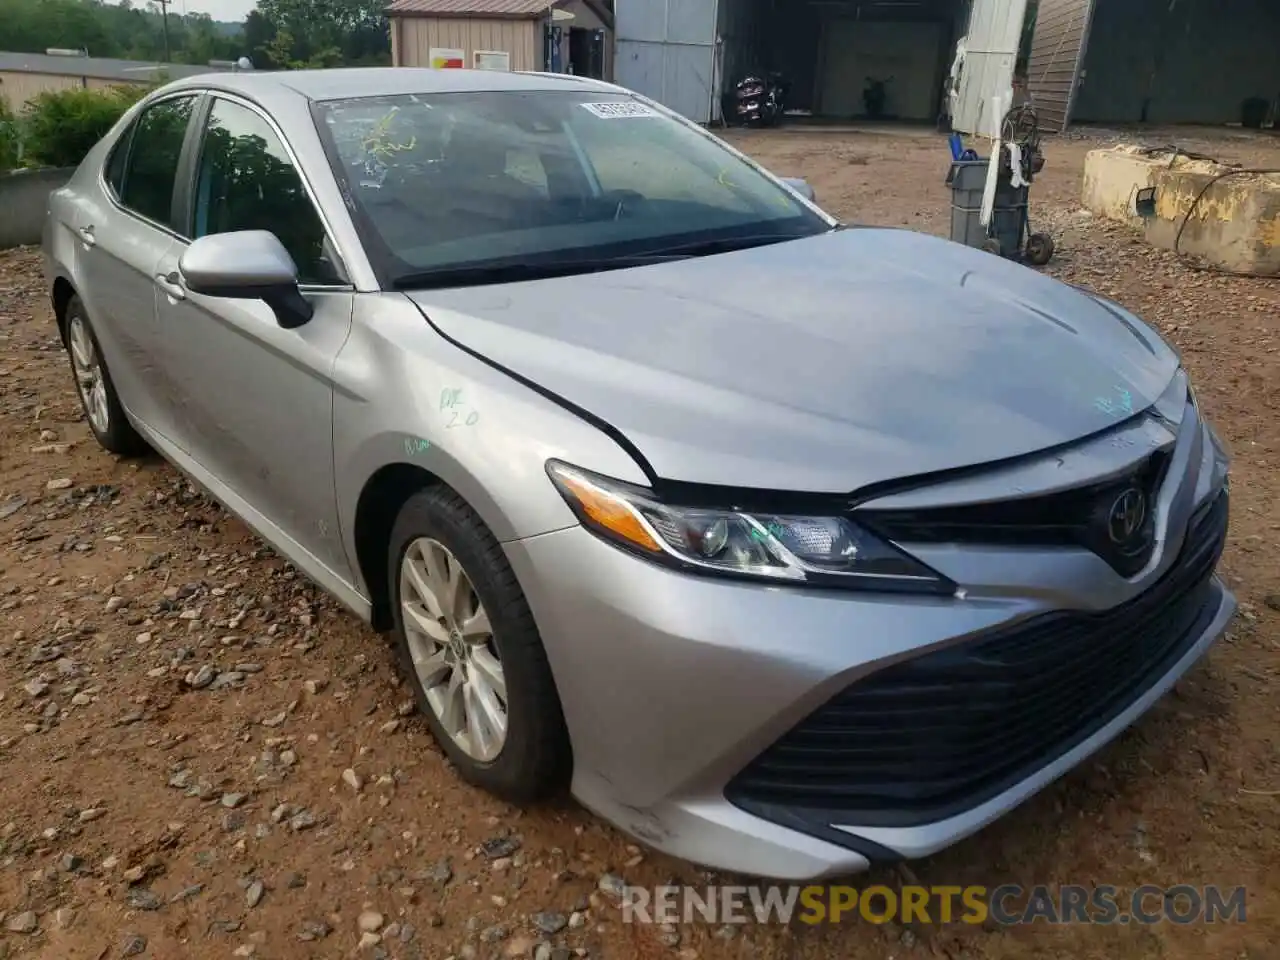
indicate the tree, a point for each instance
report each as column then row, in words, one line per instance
column 115, row 30
column 327, row 32
column 259, row 35
column 281, row 33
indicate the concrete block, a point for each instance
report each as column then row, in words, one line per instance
column 24, row 199
column 1113, row 177
column 1235, row 226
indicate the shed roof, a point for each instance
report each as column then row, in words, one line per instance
column 100, row 68
column 472, row 9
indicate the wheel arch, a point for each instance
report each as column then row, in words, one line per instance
column 60, row 296
column 378, row 505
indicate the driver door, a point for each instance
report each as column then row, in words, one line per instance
column 257, row 409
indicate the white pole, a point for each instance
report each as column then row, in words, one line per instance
column 993, row 165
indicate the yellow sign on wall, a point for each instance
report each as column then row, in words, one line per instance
column 447, row 58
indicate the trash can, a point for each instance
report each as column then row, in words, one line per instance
column 968, row 182
column 1253, row 113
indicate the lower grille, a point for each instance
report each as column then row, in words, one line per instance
column 930, row 737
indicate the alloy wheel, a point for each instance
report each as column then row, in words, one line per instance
column 452, row 648
column 89, row 378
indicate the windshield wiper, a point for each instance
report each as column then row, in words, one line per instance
column 490, row 273
column 480, row 275
column 707, row 248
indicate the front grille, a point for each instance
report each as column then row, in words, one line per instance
column 1075, row 517
column 929, row 737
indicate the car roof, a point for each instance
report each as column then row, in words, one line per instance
column 344, row 82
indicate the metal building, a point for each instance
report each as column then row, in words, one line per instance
column 1155, row 61
column 1110, row 61
column 686, row 53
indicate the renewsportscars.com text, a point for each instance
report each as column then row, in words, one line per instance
column 1006, row 905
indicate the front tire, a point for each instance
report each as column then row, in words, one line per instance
column 468, row 644
column 98, row 398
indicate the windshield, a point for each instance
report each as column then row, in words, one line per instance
column 459, row 185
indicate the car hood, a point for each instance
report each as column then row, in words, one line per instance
column 820, row 365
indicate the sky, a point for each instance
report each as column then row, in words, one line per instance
column 218, row 9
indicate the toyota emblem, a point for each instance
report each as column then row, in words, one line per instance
column 1126, row 516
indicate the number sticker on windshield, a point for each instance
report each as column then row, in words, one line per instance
column 619, row 110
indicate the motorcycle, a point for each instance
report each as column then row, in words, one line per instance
column 875, row 95
column 759, row 101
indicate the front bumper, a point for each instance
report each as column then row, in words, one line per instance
column 675, row 687
column 672, row 685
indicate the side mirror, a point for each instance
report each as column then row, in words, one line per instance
column 800, row 186
column 247, row 265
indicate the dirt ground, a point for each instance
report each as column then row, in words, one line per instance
column 272, row 812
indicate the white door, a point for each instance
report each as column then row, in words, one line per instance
column 665, row 49
column 990, row 51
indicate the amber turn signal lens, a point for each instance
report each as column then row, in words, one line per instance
column 609, row 512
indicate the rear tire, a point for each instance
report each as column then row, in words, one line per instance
column 98, row 398
column 483, row 632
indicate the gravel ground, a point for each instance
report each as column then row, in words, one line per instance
column 201, row 756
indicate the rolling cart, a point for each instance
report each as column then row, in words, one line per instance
column 1009, row 233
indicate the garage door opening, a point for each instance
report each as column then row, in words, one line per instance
column 847, row 60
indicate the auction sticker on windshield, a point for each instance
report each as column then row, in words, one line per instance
column 619, row 110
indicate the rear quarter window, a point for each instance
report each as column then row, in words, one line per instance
column 116, row 161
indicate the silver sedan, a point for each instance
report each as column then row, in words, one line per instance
column 786, row 545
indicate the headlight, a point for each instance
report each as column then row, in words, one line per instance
column 826, row 551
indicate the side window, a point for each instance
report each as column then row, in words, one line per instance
column 246, row 181
column 152, row 164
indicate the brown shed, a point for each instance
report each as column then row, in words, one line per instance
column 503, row 34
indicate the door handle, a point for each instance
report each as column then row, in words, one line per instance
column 171, row 285
column 86, row 235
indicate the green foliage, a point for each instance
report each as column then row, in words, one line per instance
column 116, row 30
column 9, row 138
column 324, row 33
column 59, row 127
column 287, row 34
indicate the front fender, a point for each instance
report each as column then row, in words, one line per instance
column 403, row 394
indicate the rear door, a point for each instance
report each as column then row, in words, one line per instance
column 124, row 229
column 986, row 71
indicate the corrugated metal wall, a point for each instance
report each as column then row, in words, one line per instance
column 1178, row 61
column 665, row 49
column 1061, row 35
column 991, row 51
column 417, row 35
